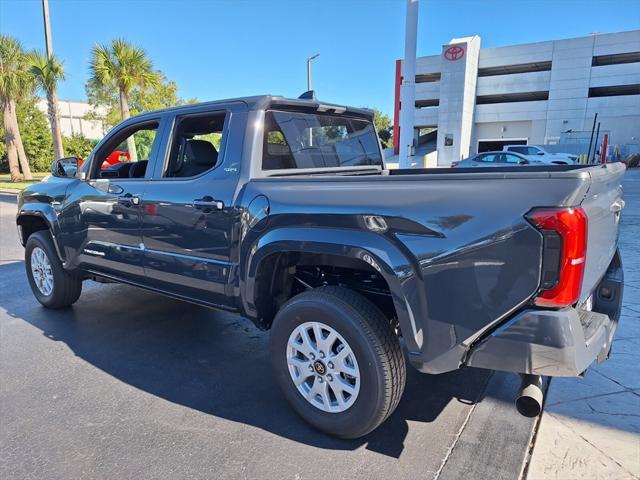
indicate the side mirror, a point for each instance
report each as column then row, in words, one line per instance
column 65, row 167
column 540, row 153
column 523, row 162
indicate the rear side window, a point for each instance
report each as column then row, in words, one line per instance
column 309, row 140
column 195, row 143
column 523, row 150
column 511, row 158
column 489, row 158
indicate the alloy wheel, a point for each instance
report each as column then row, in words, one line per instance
column 323, row 367
column 41, row 271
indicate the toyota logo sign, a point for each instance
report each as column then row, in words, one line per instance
column 454, row 53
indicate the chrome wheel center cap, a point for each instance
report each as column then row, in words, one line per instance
column 319, row 367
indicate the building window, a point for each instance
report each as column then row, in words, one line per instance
column 427, row 103
column 615, row 59
column 510, row 69
column 448, row 139
column 615, row 90
column 512, row 97
column 428, row 77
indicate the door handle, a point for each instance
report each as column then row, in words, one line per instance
column 208, row 202
column 129, row 200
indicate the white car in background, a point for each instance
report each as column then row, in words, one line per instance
column 536, row 153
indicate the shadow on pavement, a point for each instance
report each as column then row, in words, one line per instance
column 215, row 362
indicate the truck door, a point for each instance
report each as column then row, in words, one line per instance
column 188, row 212
column 101, row 217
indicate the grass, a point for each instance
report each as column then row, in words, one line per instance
column 6, row 183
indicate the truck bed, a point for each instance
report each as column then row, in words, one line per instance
column 458, row 239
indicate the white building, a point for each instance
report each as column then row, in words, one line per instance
column 537, row 93
column 73, row 121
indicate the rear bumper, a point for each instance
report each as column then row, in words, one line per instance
column 548, row 342
column 559, row 342
column 552, row 343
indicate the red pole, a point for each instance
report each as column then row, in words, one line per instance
column 396, row 109
column 604, row 148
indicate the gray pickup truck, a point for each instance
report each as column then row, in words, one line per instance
column 283, row 211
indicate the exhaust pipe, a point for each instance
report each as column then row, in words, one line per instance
column 529, row 399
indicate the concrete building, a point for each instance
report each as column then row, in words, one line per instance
column 470, row 99
column 73, row 121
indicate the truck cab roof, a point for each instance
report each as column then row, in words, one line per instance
column 261, row 102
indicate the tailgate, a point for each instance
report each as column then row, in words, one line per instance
column 603, row 205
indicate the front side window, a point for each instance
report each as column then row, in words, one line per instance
column 195, row 144
column 127, row 154
column 309, row 140
column 526, row 150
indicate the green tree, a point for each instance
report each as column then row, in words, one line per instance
column 77, row 145
column 3, row 148
column 122, row 66
column 15, row 82
column 106, row 101
column 384, row 128
column 36, row 136
column 47, row 72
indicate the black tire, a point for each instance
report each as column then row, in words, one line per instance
column 66, row 286
column 374, row 344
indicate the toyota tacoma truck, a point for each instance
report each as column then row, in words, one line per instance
column 282, row 210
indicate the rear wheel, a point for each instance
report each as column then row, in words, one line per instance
column 337, row 360
column 51, row 284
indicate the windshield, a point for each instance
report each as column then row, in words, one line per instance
column 313, row 140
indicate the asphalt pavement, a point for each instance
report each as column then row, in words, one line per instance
column 130, row 384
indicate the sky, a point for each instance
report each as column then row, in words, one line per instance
column 222, row 49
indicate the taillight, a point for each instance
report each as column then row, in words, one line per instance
column 564, row 255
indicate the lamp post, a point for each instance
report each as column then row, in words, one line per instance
column 309, row 69
column 407, row 88
column 47, row 28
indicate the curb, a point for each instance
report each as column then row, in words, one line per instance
column 495, row 440
column 9, row 190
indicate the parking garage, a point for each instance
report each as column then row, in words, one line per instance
column 474, row 99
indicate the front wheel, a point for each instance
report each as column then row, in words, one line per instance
column 51, row 284
column 337, row 360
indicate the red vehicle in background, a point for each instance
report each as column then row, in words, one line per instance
column 116, row 157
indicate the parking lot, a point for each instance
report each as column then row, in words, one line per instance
column 129, row 384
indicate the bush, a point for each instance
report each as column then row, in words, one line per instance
column 77, row 145
column 633, row 161
column 35, row 133
column 36, row 136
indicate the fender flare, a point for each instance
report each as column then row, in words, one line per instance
column 46, row 213
column 374, row 249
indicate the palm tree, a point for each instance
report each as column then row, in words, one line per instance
column 47, row 72
column 125, row 66
column 15, row 82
